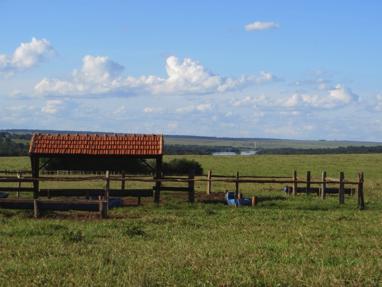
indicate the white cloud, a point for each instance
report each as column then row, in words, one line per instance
column 378, row 104
column 149, row 110
column 204, row 107
column 195, row 108
column 100, row 75
column 26, row 56
column 333, row 98
column 259, row 26
column 243, row 101
column 52, row 106
column 97, row 68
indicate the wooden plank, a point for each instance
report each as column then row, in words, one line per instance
column 70, row 192
column 174, row 188
column 38, row 205
column 16, row 203
column 95, row 192
column 132, row 192
column 251, row 176
column 15, row 179
column 16, row 189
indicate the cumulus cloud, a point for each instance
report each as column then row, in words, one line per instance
column 333, row 98
column 195, row 108
column 26, row 56
column 100, row 75
column 259, row 26
column 52, row 106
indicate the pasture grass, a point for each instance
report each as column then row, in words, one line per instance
column 283, row 241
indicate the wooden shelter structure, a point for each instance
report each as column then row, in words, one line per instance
column 96, row 146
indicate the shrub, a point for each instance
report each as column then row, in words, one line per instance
column 182, row 166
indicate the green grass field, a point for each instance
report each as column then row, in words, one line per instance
column 283, row 241
column 263, row 143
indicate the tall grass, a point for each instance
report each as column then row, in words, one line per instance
column 301, row 241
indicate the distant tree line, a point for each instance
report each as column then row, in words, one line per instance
column 13, row 145
column 337, row 150
column 175, row 149
column 17, row 144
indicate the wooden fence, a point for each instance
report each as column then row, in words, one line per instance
column 98, row 199
column 299, row 185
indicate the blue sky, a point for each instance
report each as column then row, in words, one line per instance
column 284, row 69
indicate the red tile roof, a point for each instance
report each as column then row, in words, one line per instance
column 95, row 144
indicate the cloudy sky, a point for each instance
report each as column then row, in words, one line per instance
column 280, row 69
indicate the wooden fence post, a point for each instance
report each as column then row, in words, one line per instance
column 158, row 176
column 191, row 186
column 323, row 185
column 209, row 175
column 19, row 185
column 308, row 182
column 341, row 193
column 36, row 211
column 237, row 191
column 361, row 199
column 294, row 189
column 123, row 180
column 102, row 208
column 107, row 189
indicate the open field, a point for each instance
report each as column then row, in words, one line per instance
column 263, row 143
column 301, row 241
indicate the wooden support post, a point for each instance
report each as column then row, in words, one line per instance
column 35, row 163
column 237, row 191
column 308, row 177
column 341, row 193
column 361, row 199
column 191, row 186
column 158, row 176
column 123, row 180
column 254, row 200
column 107, row 191
column 209, row 179
column 102, row 208
column 323, row 185
column 19, row 184
column 294, row 189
